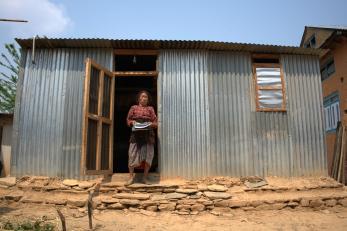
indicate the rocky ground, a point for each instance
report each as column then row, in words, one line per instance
column 286, row 219
column 218, row 203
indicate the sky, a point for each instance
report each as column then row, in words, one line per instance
column 277, row 22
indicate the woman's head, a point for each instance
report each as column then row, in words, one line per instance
column 143, row 98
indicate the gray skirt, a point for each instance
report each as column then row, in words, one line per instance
column 140, row 153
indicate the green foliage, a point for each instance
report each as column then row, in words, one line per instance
column 9, row 78
column 27, row 225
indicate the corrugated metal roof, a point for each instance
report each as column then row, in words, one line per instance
column 162, row 44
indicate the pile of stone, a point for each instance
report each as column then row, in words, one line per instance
column 192, row 197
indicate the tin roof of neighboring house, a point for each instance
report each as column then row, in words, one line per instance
column 162, row 44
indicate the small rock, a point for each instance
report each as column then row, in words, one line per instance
column 222, row 203
column 256, row 203
column 129, row 202
column 132, row 209
column 316, row 203
column 116, row 206
column 109, row 200
column 305, row 203
column 175, row 196
column 277, row 206
column 198, row 207
column 182, row 212
column 70, row 182
column 148, row 213
column 194, row 212
column 148, row 203
column 76, row 202
column 169, row 190
column 137, row 196
column 222, row 210
column 186, row 190
column 202, row 187
column 8, row 181
column 330, row 202
column 292, row 204
column 217, row 188
column 112, row 184
column 217, row 195
column 167, row 207
column 195, row 197
column 15, row 196
column 86, row 184
column 183, row 207
column 31, row 200
column 56, row 201
column 158, row 197
column 343, row 202
column 237, row 204
column 186, row 202
column 152, row 208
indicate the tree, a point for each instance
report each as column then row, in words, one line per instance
column 9, row 78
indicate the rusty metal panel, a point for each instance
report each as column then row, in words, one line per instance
column 49, row 111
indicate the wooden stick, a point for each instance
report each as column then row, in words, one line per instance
column 62, row 219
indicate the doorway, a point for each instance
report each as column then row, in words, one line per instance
column 134, row 72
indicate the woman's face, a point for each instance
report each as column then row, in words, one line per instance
column 143, row 99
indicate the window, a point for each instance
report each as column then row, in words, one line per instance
column 327, row 69
column 311, row 42
column 269, row 85
column 331, row 111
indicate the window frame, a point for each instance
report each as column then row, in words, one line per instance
column 257, row 88
column 329, row 106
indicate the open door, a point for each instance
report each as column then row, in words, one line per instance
column 97, row 131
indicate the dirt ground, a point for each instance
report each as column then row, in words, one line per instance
column 287, row 219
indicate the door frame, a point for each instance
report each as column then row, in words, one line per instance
column 86, row 115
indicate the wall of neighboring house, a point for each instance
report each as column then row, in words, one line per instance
column 6, row 143
column 336, row 83
column 320, row 35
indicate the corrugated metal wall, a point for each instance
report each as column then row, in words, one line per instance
column 209, row 125
column 47, row 140
column 183, row 114
column 206, row 109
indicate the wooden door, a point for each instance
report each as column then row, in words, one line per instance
column 97, row 132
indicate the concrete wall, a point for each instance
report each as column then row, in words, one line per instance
column 337, row 82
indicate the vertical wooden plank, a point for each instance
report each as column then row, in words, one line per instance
column 99, row 131
column 85, row 116
column 112, row 123
column 256, row 88
column 283, row 89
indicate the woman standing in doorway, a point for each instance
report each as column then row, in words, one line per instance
column 141, row 147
